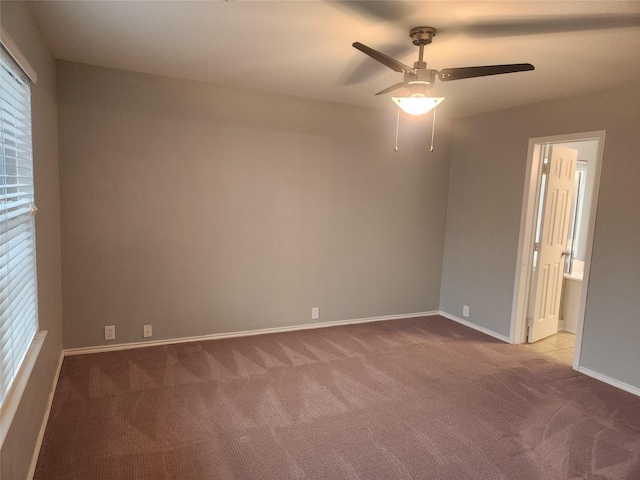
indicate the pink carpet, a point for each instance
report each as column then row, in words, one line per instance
column 422, row 398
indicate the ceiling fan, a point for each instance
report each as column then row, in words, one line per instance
column 419, row 79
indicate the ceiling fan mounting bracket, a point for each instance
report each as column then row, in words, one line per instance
column 422, row 35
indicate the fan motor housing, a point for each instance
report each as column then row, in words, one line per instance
column 422, row 35
column 423, row 76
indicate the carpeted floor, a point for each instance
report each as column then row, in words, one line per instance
column 422, row 398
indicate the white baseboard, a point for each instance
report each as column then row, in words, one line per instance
column 262, row 331
column 466, row 323
column 45, row 420
column 611, row 381
column 598, row 376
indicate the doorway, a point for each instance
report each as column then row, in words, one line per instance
column 576, row 243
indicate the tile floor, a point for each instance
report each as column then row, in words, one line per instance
column 559, row 346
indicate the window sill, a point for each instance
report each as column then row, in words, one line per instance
column 11, row 403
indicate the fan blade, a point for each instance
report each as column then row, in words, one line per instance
column 391, row 88
column 376, row 10
column 449, row 74
column 362, row 69
column 392, row 63
column 516, row 26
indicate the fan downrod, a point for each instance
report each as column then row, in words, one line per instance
column 422, row 35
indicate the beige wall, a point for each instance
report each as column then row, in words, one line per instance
column 18, row 447
column 485, row 201
column 202, row 210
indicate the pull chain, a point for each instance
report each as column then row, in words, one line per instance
column 397, row 128
column 433, row 128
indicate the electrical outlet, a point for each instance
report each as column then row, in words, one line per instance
column 315, row 313
column 110, row 332
column 146, row 331
column 465, row 310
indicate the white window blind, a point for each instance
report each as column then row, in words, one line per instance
column 18, row 287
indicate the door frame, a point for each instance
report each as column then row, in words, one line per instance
column 527, row 226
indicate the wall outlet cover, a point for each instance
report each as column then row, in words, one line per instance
column 110, row 332
column 147, row 331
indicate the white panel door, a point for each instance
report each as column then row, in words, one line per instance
column 549, row 269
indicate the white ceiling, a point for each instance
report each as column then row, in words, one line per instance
column 303, row 48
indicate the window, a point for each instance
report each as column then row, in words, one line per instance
column 18, row 289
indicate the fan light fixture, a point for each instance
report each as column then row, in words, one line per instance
column 417, row 104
